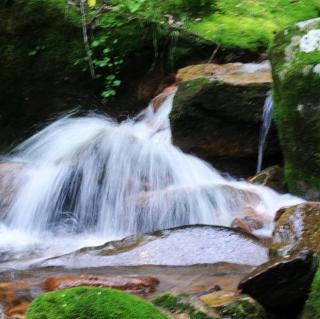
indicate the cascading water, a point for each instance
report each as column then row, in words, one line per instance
column 86, row 180
column 265, row 127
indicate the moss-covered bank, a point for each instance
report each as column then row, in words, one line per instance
column 93, row 303
column 296, row 74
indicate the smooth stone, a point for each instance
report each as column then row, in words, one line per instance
column 189, row 245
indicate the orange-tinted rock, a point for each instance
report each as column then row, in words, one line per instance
column 159, row 99
column 15, row 298
column 297, row 227
column 138, row 285
column 247, row 223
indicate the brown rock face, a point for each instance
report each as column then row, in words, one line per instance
column 217, row 114
column 297, row 228
column 137, row 285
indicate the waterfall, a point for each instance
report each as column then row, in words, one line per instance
column 265, row 127
column 85, row 180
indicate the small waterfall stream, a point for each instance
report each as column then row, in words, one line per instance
column 265, row 127
column 86, row 180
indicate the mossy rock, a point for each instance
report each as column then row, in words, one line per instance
column 91, row 302
column 217, row 115
column 312, row 308
column 296, row 74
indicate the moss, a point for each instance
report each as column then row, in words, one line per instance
column 312, row 308
column 91, row 302
column 179, row 304
column 296, row 96
column 252, row 24
column 243, row 308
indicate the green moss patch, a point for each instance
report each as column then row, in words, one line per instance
column 93, row 303
column 296, row 95
column 251, row 24
column 312, row 309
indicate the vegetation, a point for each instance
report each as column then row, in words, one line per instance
column 243, row 308
column 251, row 24
column 179, row 304
column 91, row 302
column 312, row 309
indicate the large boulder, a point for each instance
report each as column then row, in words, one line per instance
column 217, row 114
column 282, row 283
column 297, row 228
column 296, row 73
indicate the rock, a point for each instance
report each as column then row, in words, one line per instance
column 219, row 298
column 282, row 282
column 296, row 95
column 137, row 285
column 15, row 298
column 297, row 228
column 181, row 246
column 159, row 99
column 272, row 177
column 248, row 224
column 209, row 96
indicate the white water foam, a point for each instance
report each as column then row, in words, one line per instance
column 87, row 180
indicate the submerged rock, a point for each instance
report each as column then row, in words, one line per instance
column 281, row 282
column 272, row 177
column 297, row 228
column 179, row 246
column 210, row 96
column 138, row 285
column 296, row 73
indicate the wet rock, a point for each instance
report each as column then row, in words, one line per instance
column 219, row 298
column 297, row 228
column 210, row 96
column 159, row 99
column 138, row 285
column 296, row 96
column 205, row 245
column 282, row 282
column 248, row 224
column 272, row 177
column 15, row 298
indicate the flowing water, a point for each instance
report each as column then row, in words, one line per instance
column 86, row 180
column 266, row 123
